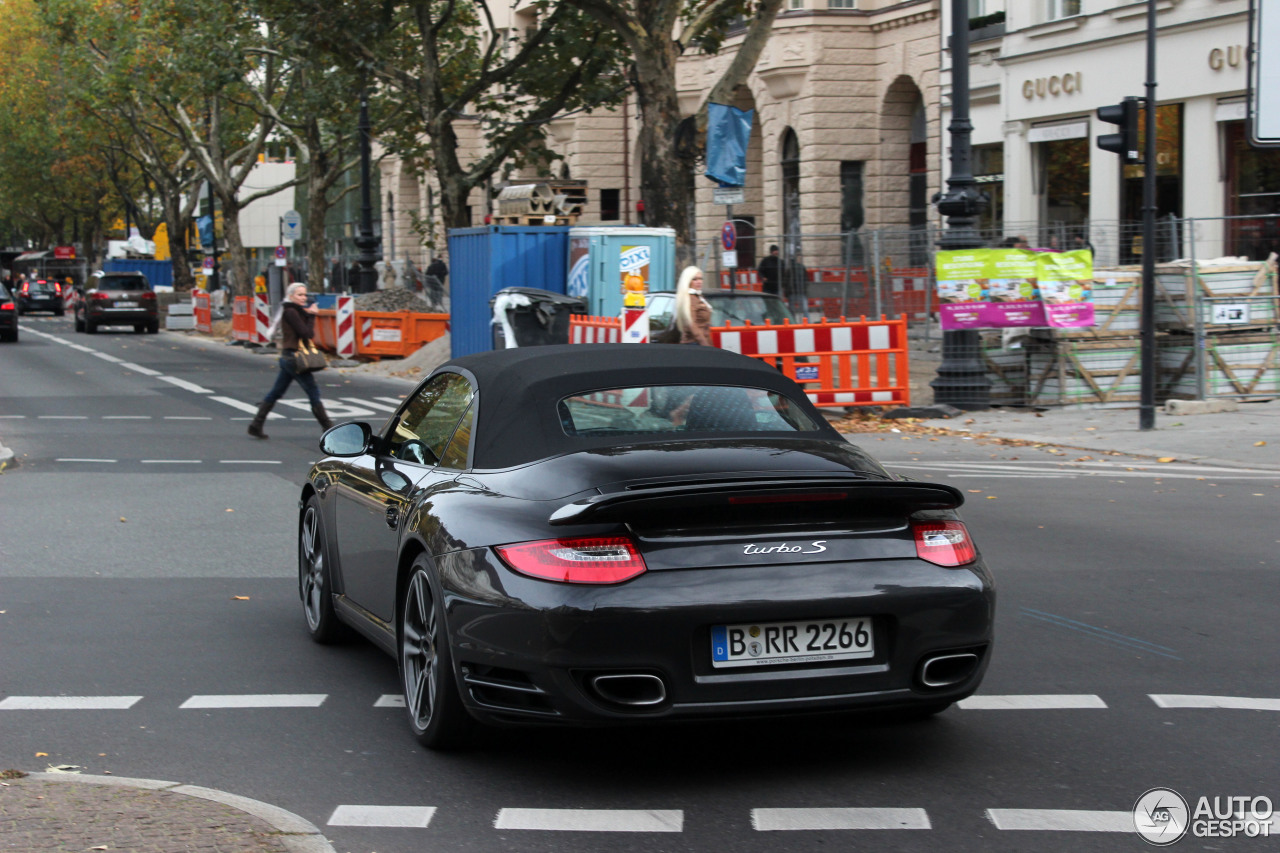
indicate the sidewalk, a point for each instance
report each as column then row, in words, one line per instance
column 1246, row 438
column 70, row 811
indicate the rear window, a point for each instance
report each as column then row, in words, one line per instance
column 735, row 309
column 123, row 282
column 40, row 287
column 681, row 408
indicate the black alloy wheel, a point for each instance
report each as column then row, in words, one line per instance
column 314, row 583
column 78, row 321
column 431, row 696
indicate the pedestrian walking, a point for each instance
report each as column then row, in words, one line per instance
column 693, row 313
column 297, row 323
column 439, row 269
column 770, row 270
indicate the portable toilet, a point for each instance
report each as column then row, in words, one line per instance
column 600, row 255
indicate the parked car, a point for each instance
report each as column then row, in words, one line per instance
column 605, row 533
column 727, row 307
column 8, row 317
column 39, row 295
column 117, row 299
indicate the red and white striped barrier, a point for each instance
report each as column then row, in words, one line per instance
column 262, row 320
column 635, row 326
column 241, row 319
column 594, row 330
column 742, row 280
column 346, row 327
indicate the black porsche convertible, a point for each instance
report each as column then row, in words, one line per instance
column 622, row 533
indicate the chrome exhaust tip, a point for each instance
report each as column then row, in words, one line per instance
column 948, row 670
column 636, row 690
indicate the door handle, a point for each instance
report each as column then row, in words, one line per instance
column 393, row 516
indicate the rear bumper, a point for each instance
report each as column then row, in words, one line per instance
column 533, row 651
column 121, row 316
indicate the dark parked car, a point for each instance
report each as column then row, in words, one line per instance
column 8, row 317
column 39, row 295
column 585, row 534
column 117, row 299
column 727, row 307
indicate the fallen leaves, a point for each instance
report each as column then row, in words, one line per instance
column 123, row 519
column 1259, row 444
column 1167, row 459
column 239, row 598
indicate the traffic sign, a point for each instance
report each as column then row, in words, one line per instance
column 291, row 225
column 208, row 262
column 728, row 195
column 728, row 236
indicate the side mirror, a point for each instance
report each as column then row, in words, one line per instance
column 349, row 439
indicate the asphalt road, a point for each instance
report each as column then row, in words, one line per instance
column 147, row 566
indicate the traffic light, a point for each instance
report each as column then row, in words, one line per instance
column 1124, row 143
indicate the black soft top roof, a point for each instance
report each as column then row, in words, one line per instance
column 519, row 388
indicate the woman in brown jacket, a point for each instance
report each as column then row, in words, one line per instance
column 693, row 313
column 297, row 323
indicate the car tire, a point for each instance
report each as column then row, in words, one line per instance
column 90, row 327
column 78, row 322
column 9, row 337
column 59, row 313
column 139, row 328
column 315, row 581
column 436, row 715
column 153, row 327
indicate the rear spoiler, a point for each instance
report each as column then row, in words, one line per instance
column 908, row 496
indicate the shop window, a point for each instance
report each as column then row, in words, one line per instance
column 1168, row 185
column 1253, row 194
column 1064, row 184
column 610, row 205
column 988, row 174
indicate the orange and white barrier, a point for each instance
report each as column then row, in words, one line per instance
column 635, row 326
column 203, row 311
column 847, row 363
column 742, row 280
column 381, row 334
column 242, row 322
column 262, row 320
column 594, row 330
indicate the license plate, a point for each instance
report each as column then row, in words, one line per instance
column 774, row 643
column 126, row 305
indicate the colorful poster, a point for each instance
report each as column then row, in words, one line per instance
column 1005, row 288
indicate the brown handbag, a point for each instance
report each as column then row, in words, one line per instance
column 308, row 359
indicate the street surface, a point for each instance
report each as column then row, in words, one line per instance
column 150, row 627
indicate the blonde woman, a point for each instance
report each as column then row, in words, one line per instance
column 693, row 313
column 297, row 323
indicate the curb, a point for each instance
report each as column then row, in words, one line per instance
column 296, row 834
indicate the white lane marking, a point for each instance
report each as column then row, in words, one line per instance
column 184, row 384
column 171, row 461
column 382, row 816
column 187, row 418
column 72, row 459
column 772, row 820
column 138, row 368
column 126, row 417
column 592, row 820
column 250, row 462
column 1030, row 702
column 1175, row 700
column 62, row 417
column 389, row 700
column 257, row 700
column 381, row 407
column 395, row 401
column 12, row 417
column 245, row 407
column 335, row 409
column 107, row 357
column 1063, row 820
column 68, row 703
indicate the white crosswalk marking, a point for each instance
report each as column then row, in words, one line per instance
column 1173, row 700
column 336, row 410
column 775, row 820
column 389, row 700
column 383, row 816
column 68, row 703
column 185, row 385
column 138, row 368
column 251, row 408
column 259, row 700
column 381, row 407
column 1061, row 820
column 1029, row 702
column 591, row 820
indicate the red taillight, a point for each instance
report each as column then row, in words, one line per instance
column 943, row 543
column 103, row 296
column 589, row 559
column 6, row 306
column 57, row 288
column 149, row 296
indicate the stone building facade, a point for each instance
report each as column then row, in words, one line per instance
column 845, row 137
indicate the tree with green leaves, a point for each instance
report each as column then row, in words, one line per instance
column 658, row 33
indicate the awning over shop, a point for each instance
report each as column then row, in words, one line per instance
column 31, row 256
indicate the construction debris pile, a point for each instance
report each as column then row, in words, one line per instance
column 542, row 203
column 393, row 299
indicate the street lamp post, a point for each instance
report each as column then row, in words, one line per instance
column 962, row 379
column 366, row 241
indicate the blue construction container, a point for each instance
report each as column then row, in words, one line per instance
column 599, row 256
column 158, row 273
column 484, row 260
